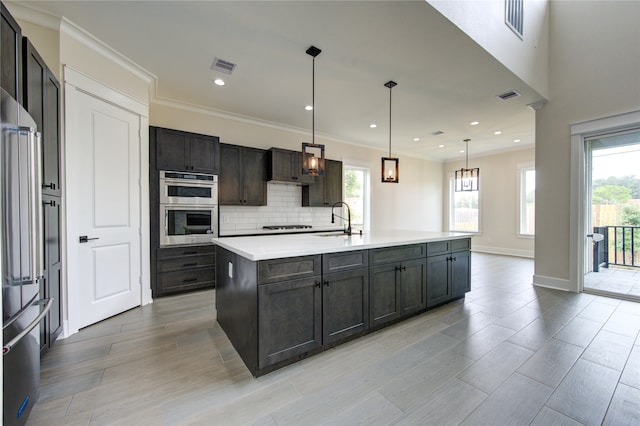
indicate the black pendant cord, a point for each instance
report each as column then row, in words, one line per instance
column 313, row 101
column 390, row 121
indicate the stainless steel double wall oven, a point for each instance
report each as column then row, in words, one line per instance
column 188, row 208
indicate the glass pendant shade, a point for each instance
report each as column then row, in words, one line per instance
column 313, row 159
column 390, row 170
column 467, row 179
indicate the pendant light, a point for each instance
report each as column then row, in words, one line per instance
column 390, row 172
column 467, row 179
column 312, row 153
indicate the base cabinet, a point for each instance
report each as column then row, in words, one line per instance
column 448, row 271
column 398, row 288
column 289, row 319
column 184, row 268
column 345, row 305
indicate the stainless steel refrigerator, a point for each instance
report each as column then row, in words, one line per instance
column 22, row 259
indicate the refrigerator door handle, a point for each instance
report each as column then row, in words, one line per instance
column 36, row 271
column 6, row 348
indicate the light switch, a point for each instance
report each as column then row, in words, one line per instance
column 230, row 270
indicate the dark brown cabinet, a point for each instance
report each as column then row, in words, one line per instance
column 325, row 190
column 345, row 295
column 289, row 308
column 184, row 268
column 286, row 166
column 50, row 287
column 11, row 51
column 42, row 100
column 448, row 270
column 243, row 176
column 398, row 283
column 186, row 152
column 289, row 319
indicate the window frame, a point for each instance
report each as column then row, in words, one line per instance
column 523, row 168
column 451, row 208
column 366, row 191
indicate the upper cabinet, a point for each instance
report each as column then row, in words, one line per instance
column 41, row 96
column 326, row 190
column 286, row 166
column 243, row 176
column 11, row 70
column 187, row 152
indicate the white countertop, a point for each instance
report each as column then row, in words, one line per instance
column 278, row 246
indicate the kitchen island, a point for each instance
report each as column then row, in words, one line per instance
column 281, row 298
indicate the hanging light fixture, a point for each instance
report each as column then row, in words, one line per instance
column 467, row 179
column 389, row 164
column 312, row 153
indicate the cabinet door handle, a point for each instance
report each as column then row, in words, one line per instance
column 318, row 284
column 189, row 280
column 326, row 283
column 453, row 259
column 404, row 268
column 51, row 203
column 190, row 264
column 50, row 186
column 187, row 253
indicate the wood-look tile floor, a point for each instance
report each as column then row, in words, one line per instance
column 508, row 354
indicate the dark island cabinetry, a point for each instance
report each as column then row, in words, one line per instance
column 186, row 152
column 448, row 270
column 243, row 176
column 278, row 311
column 398, row 282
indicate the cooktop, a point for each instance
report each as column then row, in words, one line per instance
column 278, row 227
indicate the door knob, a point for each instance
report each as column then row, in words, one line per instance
column 85, row 239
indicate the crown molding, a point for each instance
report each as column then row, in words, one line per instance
column 33, row 15
column 79, row 34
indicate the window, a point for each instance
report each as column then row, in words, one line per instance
column 527, row 200
column 463, row 209
column 356, row 194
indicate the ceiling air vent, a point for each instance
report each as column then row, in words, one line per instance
column 508, row 95
column 437, row 133
column 223, row 66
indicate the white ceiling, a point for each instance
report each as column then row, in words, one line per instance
column 445, row 80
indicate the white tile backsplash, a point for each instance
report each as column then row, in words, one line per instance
column 284, row 201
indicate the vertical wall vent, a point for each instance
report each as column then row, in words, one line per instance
column 514, row 16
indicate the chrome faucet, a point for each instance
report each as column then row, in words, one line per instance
column 348, row 218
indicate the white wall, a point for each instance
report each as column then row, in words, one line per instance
column 499, row 202
column 414, row 203
column 484, row 22
column 594, row 70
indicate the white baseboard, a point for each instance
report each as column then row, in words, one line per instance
column 503, row 251
column 552, row 282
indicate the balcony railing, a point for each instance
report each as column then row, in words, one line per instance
column 621, row 246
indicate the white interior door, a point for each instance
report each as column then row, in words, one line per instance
column 103, row 199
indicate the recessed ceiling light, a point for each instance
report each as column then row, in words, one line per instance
column 474, row 123
column 497, row 132
column 416, row 139
column 373, row 125
column 219, row 82
column 308, row 108
column 440, row 146
column 516, row 140
column 461, row 151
